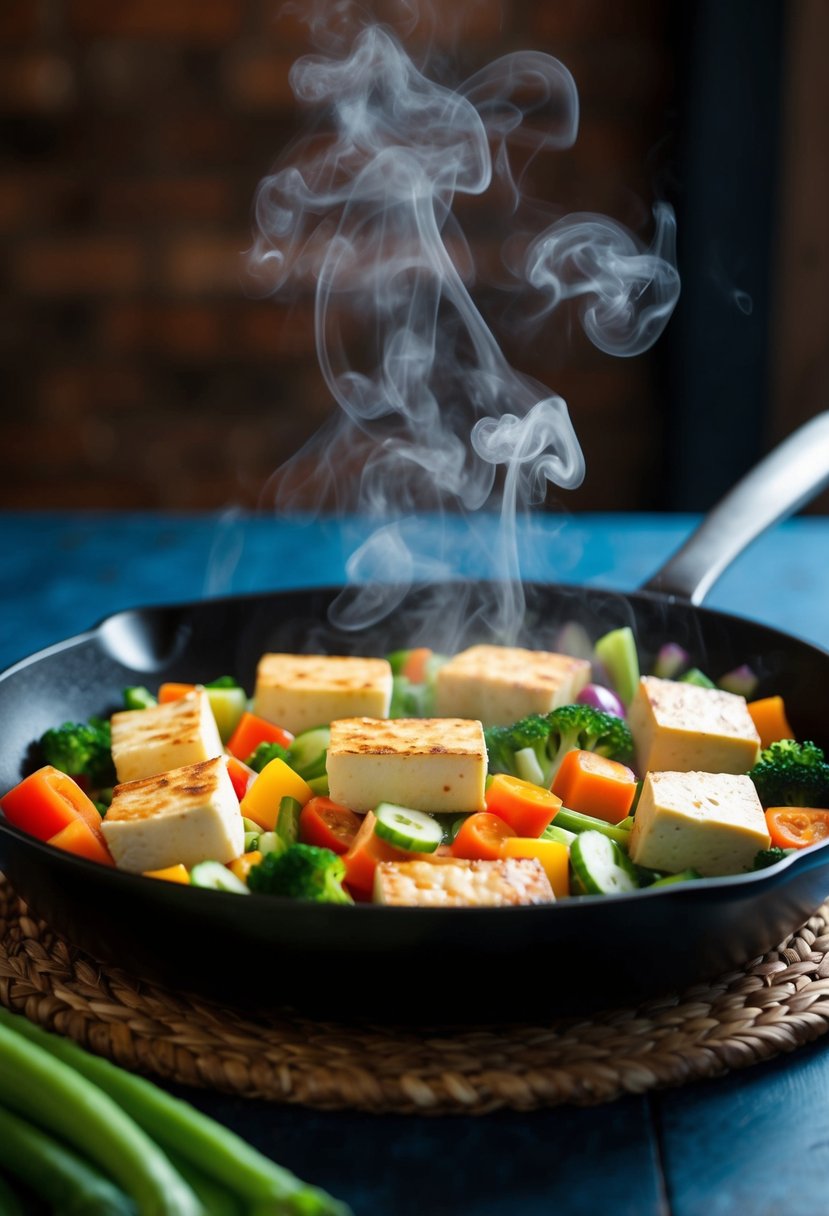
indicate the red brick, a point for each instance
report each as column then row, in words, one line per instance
column 83, row 266
column 212, row 264
column 193, row 21
column 36, row 83
column 258, row 80
column 162, row 202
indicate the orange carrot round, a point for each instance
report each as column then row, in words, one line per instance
column 79, row 838
column 595, row 786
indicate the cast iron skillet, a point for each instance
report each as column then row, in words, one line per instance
column 414, row 963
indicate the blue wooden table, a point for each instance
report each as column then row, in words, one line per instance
column 755, row 1143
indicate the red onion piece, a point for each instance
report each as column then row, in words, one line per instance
column 601, row 698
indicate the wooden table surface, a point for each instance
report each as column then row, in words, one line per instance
column 754, row 1143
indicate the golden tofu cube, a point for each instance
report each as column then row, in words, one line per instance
column 501, row 684
column 710, row 822
column 177, row 733
column 186, row 815
column 428, row 764
column 302, row 691
column 680, row 727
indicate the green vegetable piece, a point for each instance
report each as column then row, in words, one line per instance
column 214, row 1198
column 81, row 749
column 301, row 872
column 319, row 786
column 228, row 704
column 136, row 696
column 397, row 660
column 669, row 880
column 267, row 1188
column 263, row 755
column 223, row 682
column 558, row 834
column 543, row 740
column 791, row 774
column 52, row 1093
column 617, row 652
column 601, row 866
column 269, row 842
column 287, row 821
column 55, row 1173
column 576, row 822
column 308, row 752
column 215, row 877
column 770, row 857
column 694, row 676
column 407, row 829
column 409, row 700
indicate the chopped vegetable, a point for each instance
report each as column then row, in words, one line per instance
column 668, row 880
column 240, row 775
column 81, row 749
column 174, row 690
column 594, row 785
column 176, row 873
column 263, row 799
column 791, row 774
column 601, row 698
column 415, row 831
column 263, row 755
column 242, row 866
column 136, row 696
column 526, row 807
column 617, row 652
column 671, row 660
column 553, row 855
column 217, row 877
column 694, row 676
column 770, row 857
column 301, row 872
column 552, row 735
column 307, row 754
column 328, row 825
column 46, row 802
column 82, row 840
column 250, row 732
column 796, row 827
column 366, row 852
column 574, row 821
column 481, row 837
column 742, row 681
column 769, row 716
column 601, row 866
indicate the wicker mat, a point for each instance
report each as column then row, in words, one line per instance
column 775, row 1004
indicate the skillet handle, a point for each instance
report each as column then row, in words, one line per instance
column 785, row 480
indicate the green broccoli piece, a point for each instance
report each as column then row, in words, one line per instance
column 81, row 749
column 301, row 872
column 541, row 741
column 791, row 774
column 263, row 755
column 770, row 857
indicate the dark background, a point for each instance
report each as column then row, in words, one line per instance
column 138, row 371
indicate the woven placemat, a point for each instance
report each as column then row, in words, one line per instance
column 774, row 1004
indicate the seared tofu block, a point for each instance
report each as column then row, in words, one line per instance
column 187, row 815
column 453, row 883
column 177, row 733
column 301, row 691
column 500, row 684
column 710, row 822
column 428, row 764
column 680, row 727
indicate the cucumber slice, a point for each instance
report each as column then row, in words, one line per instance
column 228, row 705
column 617, row 651
column 216, row 877
column 600, row 865
column 682, row 876
column 308, row 752
column 407, row 829
column 287, row 821
column 269, row 842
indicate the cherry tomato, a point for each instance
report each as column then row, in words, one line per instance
column 481, row 836
column 795, row 827
column 328, row 825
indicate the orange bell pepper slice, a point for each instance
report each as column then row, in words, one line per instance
column 176, row 873
column 253, row 730
column 365, row 854
column 769, row 717
column 174, row 691
column 554, row 857
column 595, row 786
column 79, row 838
column 46, row 802
column 481, row 837
column 796, row 827
column 526, row 807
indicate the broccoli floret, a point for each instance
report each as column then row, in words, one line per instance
column 770, row 857
column 301, row 872
column 791, row 774
column 550, row 736
column 263, row 755
column 81, row 749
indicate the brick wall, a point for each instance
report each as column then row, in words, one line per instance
column 138, row 372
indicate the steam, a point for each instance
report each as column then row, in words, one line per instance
column 431, row 414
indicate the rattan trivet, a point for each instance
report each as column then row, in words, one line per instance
column 775, row 1004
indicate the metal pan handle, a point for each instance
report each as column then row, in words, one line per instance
column 788, row 477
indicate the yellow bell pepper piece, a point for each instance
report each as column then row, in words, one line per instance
column 554, row 857
column 241, row 866
column 275, row 782
column 177, row 873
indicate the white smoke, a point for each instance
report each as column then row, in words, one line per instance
column 432, row 416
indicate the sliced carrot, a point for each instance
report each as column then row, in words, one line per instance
column 176, row 873
column 253, row 730
column 554, row 857
column 595, row 786
column 796, row 827
column 173, row 691
column 328, row 825
column 414, row 668
column 240, row 776
column 527, row 808
column 366, row 852
column 275, row 782
column 46, row 801
column 481, row 837
column 79, row 838
column 242, row 866
column 769, row 717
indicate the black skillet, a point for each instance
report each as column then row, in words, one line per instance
column 413, row 963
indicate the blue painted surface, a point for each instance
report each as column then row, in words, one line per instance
column 753, row 1144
